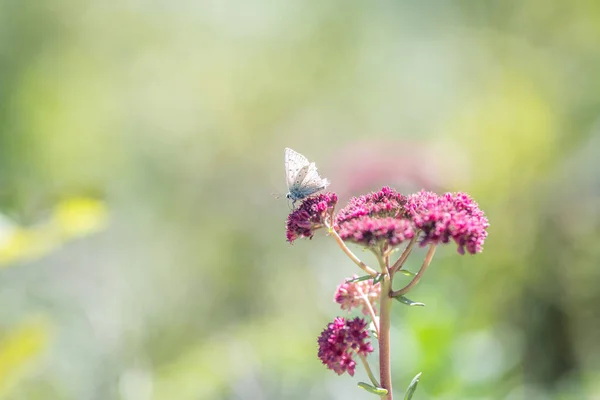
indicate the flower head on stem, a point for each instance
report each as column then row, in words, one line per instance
column 310, row 216
column 376, row 220
column 340, row 340
column 358, row 294
column 451, row 216
column 385, row 203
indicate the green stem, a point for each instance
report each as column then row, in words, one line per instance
column 368, row 369
column 417, row 277
column 350, row 254
column 385, row 368
column 370, row 309
column 400, row 262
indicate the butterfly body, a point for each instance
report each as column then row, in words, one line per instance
column 302, row 177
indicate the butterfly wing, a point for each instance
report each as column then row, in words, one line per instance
column 296, row 188
column 301, row 176
column 295, row 164
column 312, row 182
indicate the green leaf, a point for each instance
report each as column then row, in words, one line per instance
column 372, row 389
column 378, row 279
column 406, row 272
column 409, row 302
column 412, row 387
column 361, row 278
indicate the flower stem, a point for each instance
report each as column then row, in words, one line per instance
column 385, row 368
column 400, row 262
column 350, row 254
column 371, row 310
column 417, row 277
column 368, row 369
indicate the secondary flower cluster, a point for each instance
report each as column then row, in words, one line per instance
column 451, row 216
column 310, row 216
column 340, row 340
column 387, row 218
column 358, row 294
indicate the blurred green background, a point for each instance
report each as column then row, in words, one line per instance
column 143, row 255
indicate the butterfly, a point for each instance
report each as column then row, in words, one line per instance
column 301, row 176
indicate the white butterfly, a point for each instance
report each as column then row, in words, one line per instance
column 301, row 176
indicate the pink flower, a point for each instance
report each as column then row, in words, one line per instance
column 340, row 340
column 373, row 231
column 450, row 216
column 310, row 216
column 354, row 294
column 385, row 203
column 375, row 219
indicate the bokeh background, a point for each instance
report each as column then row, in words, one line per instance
column 143, row 255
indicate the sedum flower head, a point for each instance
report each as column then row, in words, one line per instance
column 385, row 203
column 451, row 216
column 310, row 216
column 340, row 340
column 355, row 294
column 375, row 219
column 371, row 232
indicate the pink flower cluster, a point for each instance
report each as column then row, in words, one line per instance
column 451, row 216
column 372, row 231
column 356, row 294
column 375, row 219
column 387, row 218
column 385, row 203
column 310, row 216
column 340, row 340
